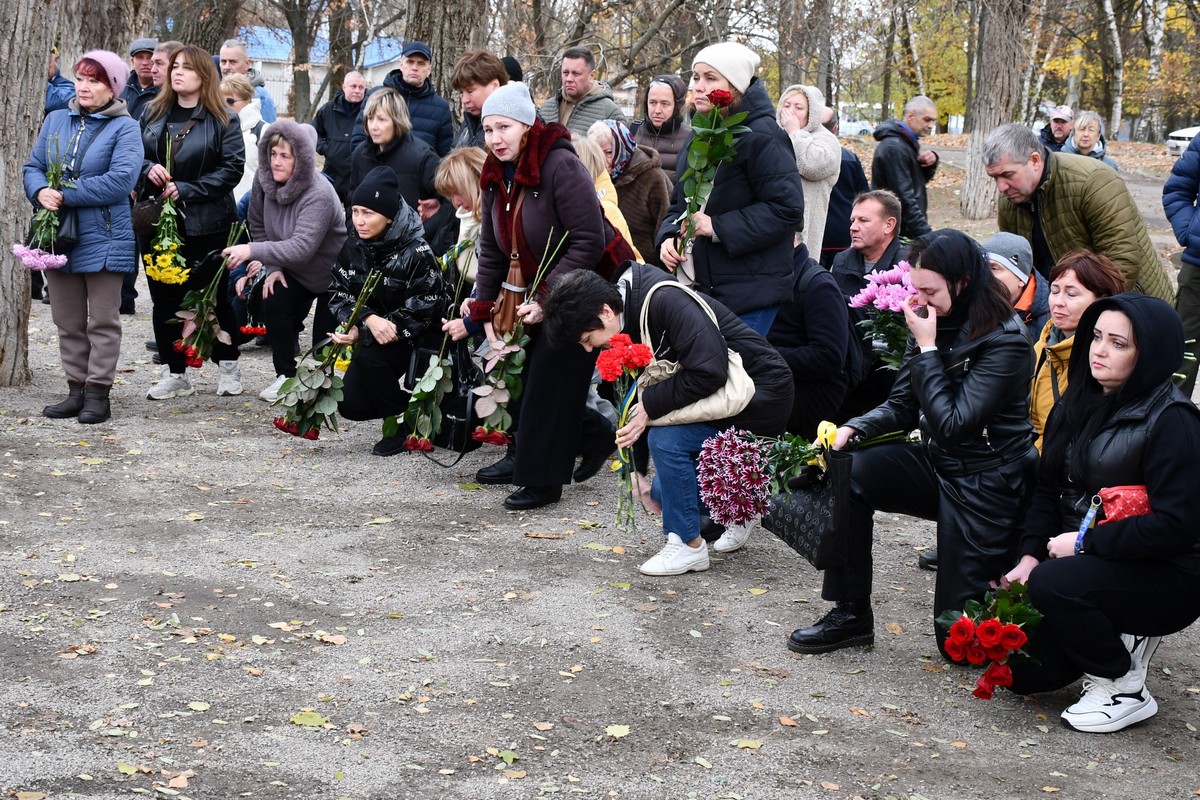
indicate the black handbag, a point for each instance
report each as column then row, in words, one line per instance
column 810, row 516
column 458, row 405
column 145, row 215
column 68, row 230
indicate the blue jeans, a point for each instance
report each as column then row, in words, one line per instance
column 760, row 321
column 676, row 450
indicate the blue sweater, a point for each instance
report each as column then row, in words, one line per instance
column 102, row 182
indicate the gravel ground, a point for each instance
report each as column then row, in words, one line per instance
column 193, row 604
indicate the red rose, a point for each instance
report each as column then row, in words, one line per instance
column 498, row 437
column 179, row 346
column 610, row 365
column 955, row 650
column 480, row 434
column 720, row 98
column 1013, row 637
column 312, row 434
column 989, row 632
column 192, row 352
column 983, row 688
column 418, row 443
column 620, row 340
column 999, row 675
column 285, row 426
column 195, row 363
column 963, row 630
column 638, row 356
column 997, row 653
column 975, row 654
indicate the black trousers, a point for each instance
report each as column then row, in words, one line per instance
column 371, row 388
column 167, row 297
column 1088, row 602
column 283, row 314
column 977, row 514
column 549, row 415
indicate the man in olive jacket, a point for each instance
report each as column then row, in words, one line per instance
column 582, row 99
column 1062, row 202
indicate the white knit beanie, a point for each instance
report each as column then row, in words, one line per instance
column 510, row 100
column 736, row 62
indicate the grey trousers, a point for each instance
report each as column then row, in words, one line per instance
column 86, row 308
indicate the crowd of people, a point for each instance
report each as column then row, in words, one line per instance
column 1039, row 367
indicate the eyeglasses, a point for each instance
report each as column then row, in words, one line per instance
column 229, row 101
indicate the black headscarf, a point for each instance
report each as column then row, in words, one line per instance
column 1084, row 407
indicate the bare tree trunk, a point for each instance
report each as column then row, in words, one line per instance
column 889, row 45
column 910, row 41
column 790, row 51
column 999, row 91
column 303, row 20
column 1116, row 78
column 205, row 23
column 974, row 39
column 450, row 28
column 25, row 44
column 1027, row 77
column 1154, row 23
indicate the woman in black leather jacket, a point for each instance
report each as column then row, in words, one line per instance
column 207, row 155
column 1111, row 592
column 403, row 312
column 965, row 384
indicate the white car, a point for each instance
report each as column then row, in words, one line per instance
column 856, row 127
column 1178, row 141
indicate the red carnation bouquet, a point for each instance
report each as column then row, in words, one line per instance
column 619, row 364
column 712, row 145
column 991, row 633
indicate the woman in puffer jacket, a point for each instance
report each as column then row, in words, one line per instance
column 818, row 155
column 297, row 227
column 102, row 150
column 402, row 313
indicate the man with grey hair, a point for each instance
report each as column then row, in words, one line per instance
column 902, row 167
column 1062, row 202
column 235, row 58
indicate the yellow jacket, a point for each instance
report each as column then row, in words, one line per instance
column 1049, row 378
column 612, row 212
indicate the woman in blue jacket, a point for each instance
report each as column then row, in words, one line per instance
column 100, row 145
column 1180, row 194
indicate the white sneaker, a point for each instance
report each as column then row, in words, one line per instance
column 271, row 393
column 1107, row 706
column 734, row 537
column 1141, row 649
column 171, row 386
column 229, row 379
column 677, row 558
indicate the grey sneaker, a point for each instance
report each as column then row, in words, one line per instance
column 229, row 379
column 271, row 393
column 170, row 386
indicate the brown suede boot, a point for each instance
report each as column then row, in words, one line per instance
column 95, row 405
column 69, row 407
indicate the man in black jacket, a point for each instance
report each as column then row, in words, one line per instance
column 476, row 75
column 430, row 114
column 873, row 246
column 334, row 122
column 1055, row 134
column 901, row 167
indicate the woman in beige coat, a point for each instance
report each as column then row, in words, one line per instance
column 818, row 156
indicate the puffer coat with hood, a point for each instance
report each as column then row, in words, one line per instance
column 819, row 160
column 298, row 226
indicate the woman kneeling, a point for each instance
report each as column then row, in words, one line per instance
column 1111, row 591
column 400, row 314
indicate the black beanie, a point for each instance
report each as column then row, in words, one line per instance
column 379, row 191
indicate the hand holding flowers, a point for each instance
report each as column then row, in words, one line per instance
column 619, row 364
column 41, row 255
column 887, row 295
column 713, row 135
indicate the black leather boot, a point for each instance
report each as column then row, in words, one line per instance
column 928, row 560
column 502, row 471
column 69, row 407
column 848, row 624
column 95, row 405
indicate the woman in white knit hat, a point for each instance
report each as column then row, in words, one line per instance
column 742, row 252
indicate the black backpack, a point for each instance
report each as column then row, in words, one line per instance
column 858, row 349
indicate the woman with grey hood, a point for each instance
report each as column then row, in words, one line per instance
column 818, row 156
column 297, row 228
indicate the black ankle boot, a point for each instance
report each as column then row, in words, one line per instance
column 69, row 407
column 502, row 471
column 95, row 405
column 848, row 624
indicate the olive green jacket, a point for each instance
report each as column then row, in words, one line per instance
column 1083, row 203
